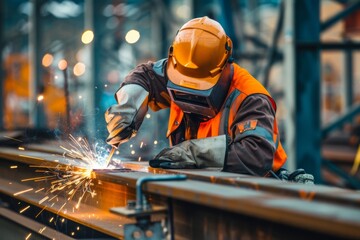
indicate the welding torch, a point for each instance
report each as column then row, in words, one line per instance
column 109, row 157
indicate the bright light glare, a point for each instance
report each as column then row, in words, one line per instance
column 87, row 37
column 132, row 36
column 40, row 98
column 47, row 60
column 79, row 69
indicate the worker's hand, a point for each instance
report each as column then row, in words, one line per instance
column 119, row 125
column 298, row 176
column 196, row 153
column 125, row 118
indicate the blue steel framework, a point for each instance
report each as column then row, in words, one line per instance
column 35, row 42
column 307, row 87
column 309, row 134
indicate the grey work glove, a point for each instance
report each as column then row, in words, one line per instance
column 195, row 153
column 125, row 118
column 298, row 176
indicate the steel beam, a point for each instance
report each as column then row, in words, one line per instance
column 349, row 79
column 341, row 15
column 226, row 20
column 328, row 46
column 94, row 21
column 14, row 226
column 307, row 88
column 36, row 114
column 219, row 202
column 337, row 123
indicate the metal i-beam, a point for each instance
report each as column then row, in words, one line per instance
column 36, row 113
column 206, row 205
column 307, row 87
column 341, row 15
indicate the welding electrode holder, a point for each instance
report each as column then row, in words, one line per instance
column 142, row 211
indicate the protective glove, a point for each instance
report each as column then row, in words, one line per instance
column 298, row 176
column 195, row 153
column 125, row 118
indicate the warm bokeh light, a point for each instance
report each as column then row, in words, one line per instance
column 87, row 37
column 47, row 60
column 62, row 64
column 132, row 36
column 40, row 98
column 79, row 69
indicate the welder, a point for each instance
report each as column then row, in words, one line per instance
column 220, row 115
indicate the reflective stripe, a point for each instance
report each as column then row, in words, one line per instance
column 261, row 132
column 158, row 67
column 226, row 112
column 246, row 85
column 277, row 142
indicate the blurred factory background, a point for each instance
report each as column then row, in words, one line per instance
column 62, row 61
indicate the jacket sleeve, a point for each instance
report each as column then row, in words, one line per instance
column 251, row 150
column 154, row 83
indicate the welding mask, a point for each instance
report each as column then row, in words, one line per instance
column 198, row 67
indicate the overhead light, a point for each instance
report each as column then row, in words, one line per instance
column 132, row 36
column 62, row 64
column 79, row 69
column 47, row 60
column 87, row 37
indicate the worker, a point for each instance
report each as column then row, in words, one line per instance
column 220, row 115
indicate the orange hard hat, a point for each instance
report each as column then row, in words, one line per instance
column 198, row 54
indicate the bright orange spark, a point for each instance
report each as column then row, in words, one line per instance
column 39, row 190
column 28, row 236
column 44, row 199
column 24, row 209
column 24, row 191
column 71, row 180
column 42, row 229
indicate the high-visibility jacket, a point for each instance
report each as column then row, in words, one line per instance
column 247, row 117
column 242, row 86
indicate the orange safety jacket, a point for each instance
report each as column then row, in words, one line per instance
column 242, row 86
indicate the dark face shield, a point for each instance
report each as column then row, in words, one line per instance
column 206, row 103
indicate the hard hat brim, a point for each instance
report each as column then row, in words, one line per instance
column 182, row 80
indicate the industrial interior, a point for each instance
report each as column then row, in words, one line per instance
column 62, row 62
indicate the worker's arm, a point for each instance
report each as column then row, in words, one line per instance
column 153, row 82
column 141, row 88
column 250, row 152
